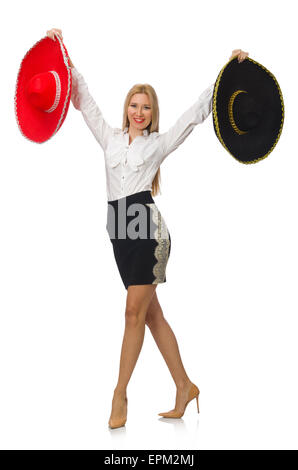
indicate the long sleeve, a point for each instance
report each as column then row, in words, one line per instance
column 83, row 101
column 196, row 114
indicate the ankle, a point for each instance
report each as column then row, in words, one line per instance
column 182, row 384
column 120, row 392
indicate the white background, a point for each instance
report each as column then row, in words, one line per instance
column 231, row 290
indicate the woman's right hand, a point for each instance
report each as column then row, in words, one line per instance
column 51, row 33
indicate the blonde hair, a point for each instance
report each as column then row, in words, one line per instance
column 153, row 126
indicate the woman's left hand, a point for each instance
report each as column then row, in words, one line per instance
column 240, row 54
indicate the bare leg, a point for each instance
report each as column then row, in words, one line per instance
column 168, row 346
column 138, row 300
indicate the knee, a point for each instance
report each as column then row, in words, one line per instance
column 154, row 317
column 133, row 315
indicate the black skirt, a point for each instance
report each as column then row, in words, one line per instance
column 140, row 238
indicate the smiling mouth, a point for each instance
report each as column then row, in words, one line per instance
column 139, row 120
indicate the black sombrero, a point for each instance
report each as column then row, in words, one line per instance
column 247, row 110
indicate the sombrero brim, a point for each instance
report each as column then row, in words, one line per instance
column 35, row 124
column 253, row 77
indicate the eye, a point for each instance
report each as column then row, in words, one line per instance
column 147, row 107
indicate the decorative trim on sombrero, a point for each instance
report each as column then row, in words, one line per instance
column 65, row 58
column 231, row 116
column 216, row 117
column 58, row 92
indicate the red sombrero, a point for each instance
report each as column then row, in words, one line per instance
column 43, row 90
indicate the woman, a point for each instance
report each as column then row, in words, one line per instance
column 133, row 156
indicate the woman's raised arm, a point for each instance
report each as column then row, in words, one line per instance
column 196, row 114
column 83, row 101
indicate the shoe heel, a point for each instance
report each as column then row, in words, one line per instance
column 197, row 398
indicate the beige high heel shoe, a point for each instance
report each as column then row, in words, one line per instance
column 193, row 393
column 118, row 424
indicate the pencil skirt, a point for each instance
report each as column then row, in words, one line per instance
column 140, row 239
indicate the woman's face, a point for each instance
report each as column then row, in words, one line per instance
column 139, row 111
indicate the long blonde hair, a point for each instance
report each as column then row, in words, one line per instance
column 153, row 126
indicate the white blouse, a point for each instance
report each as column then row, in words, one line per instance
column 131, row 168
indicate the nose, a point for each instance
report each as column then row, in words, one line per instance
column 139, row 111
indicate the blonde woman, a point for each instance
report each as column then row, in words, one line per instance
column 139, row 236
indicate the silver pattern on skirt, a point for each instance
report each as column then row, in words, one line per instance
column 161, row 235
